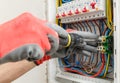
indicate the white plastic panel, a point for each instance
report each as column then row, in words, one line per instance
column 84, row 16
column 79, row 78
column 117, row 41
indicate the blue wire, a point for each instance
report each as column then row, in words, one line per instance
column 67, row 62
column 102, row 25
column 77, row 63
column 93, row 27
column 85, row 26
column 61, row 65
column 65, row 1
column 67, row 57
column 107, row 32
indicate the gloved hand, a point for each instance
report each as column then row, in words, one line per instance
column 63, row 36
column 26, row 37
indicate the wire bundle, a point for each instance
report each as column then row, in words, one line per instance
column 96, row 65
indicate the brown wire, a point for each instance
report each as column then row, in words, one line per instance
column 97, row 26
column 82, row 26
column 79, row 26
column 105, row 27
column 90, row 68
column 96, row 62
column 87, row 65
column 88, row 26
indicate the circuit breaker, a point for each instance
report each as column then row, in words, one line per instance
column 95, row 16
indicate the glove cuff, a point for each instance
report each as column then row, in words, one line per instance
column 38, row 62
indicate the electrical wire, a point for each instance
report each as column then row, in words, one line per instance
column 89, row 26
column 85, row 26
column 80, row 66
column 111, row 32
column 98, row 27
column 93, row 26
column 85, row 74
column 102, row 26
column 109, row 12
column 79, row 26
column 95, row 65
column 65, row 1
column 105, row 28
column 103, row 72
column 107, row 65
column 82, row 26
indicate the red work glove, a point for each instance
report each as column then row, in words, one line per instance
column 62, row 35
column 25, row 37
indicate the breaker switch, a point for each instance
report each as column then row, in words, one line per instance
column 57, row 16
column 93, row 5
column 84, row 9
column 70, row 12
column 77, row 11
column 64, row 14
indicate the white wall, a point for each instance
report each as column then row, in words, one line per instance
column 10, row 9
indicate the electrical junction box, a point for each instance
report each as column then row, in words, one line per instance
column 98, row 17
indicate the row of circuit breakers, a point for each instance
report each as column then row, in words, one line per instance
column 94, row 16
